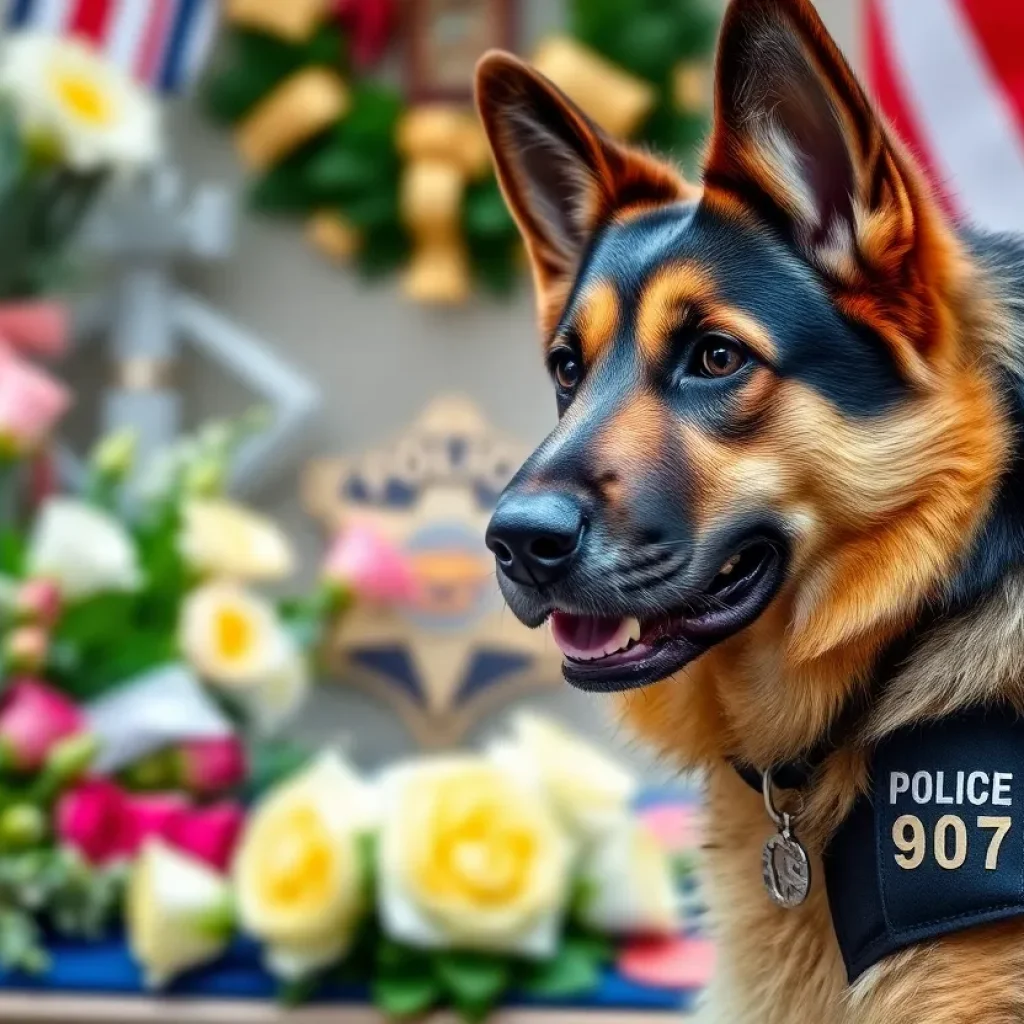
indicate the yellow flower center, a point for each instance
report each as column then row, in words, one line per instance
column 83, row 97
column 479, row 851
column 297, row 861
column 234, row 633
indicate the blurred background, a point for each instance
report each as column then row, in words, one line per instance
column 377, row 357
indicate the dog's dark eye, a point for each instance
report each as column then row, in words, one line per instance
column 718, row 356
column 566, row 369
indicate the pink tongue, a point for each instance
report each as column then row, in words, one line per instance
column 582, row 634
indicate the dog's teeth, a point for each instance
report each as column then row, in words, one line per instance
column 729, row 566
column 634, row 629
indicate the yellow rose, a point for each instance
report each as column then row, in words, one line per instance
column 472, row 857
column 298, row 876
column 231, row 636
column 220, row 538
column 629, row 883
column 591, row 791
column 178, row 913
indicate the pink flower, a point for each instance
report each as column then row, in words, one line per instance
column 213, row 766
column 38, row 602
column 31, row 402
column 154, row 815
column 40, row 328
column 210, row 834
column 93, row 818
column 35, row 717
column 364, row 562
column 25, row 648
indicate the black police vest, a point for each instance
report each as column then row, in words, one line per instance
column 937, row 846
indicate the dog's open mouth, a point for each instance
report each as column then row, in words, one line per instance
column 626, row 652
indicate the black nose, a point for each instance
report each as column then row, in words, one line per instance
column 535, row 537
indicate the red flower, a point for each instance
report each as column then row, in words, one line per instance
column 210, row 834
column 93, row 818
column 213, row 766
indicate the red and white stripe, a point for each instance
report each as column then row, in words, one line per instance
column 162, row 43
column 950, row 76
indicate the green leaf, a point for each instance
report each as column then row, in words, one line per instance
column 485, row 214
column 283, row 189
column 12, row 153
column 298, row 991
column 574, row 971
column 253, row 65
column 366, row 850
column 12, row 552
column 326, row 46
column 271, row 762
column 21, row 943
column 405, row 994
column 473, row 981
column 340, row 168
column 373, row 117
column 383, row 250
column 98, row 618
column 601, row 948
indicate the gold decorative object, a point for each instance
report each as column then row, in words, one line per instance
column 457, row 653
column 293, row 20
column 444, row 148
column 332, row 236
column 691, row 86
column 301, row 106
column 618, row 101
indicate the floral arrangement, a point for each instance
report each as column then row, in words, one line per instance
column 69, row 121
column 144, row 673
column 447, row 880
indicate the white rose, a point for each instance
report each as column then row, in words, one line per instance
column 299, row 879
column 470, row 857
column 67, row 94
column 591, row 791
column 178, row 913
column 220, row 538
column 275, row 699
column 83, row 549
column 629, row 884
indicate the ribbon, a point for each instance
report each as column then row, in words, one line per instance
column 617, row 100
column 444, row 148
column 303, row 105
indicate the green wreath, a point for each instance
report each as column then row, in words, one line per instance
column 351, row 167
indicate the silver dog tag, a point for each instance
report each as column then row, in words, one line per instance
column 785, row 868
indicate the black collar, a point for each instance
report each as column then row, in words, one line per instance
column 797, row 773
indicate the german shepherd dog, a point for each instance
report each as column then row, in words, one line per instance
column 788, row 405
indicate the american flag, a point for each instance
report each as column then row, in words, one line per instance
column 950, row 76
column 161, row 43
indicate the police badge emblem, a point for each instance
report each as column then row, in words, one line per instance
column 453, row 654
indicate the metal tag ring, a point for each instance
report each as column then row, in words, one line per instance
column 783, row 819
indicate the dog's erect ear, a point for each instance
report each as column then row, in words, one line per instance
column 561, row 175
column 795, row 136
